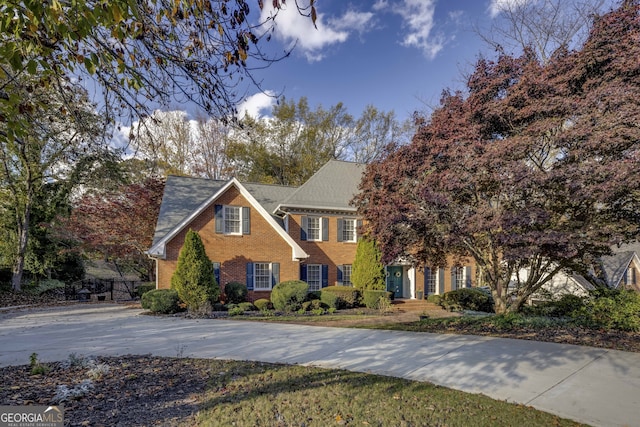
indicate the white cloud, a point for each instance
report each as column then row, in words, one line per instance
column 418, row 16
column 380, row 5
column 255, row 105
column 498, row 6
column 291, row 27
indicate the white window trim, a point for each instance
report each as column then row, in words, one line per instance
column 464, row 278
column 436, row 283
column 319, row 266
column 355, row 229
column 320, row 230
column 224, row 220
column 344, row 269
column 255, row 276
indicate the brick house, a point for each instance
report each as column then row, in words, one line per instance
column 263, row 234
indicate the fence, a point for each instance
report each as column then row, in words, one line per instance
column 103, row 289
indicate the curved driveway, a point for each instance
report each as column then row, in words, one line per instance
column 596, row 386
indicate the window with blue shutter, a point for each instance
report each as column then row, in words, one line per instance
column 303, row 272
column 325, row 229
column 340, row 271
column 216, row 272
column 275, row 273
column 303, row 228
column 325, row 276
column 340, row 232
column 219, row 218
column 246, row 220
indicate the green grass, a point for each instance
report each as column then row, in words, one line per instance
column 260, row 394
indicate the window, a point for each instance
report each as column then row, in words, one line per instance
column 630, row 276
column 349, row 230
column 458, row 278
column 432, row 281
column 314, row 277
column 232, row 220
column 314, row 228
column 262, row 275
column 344, row 275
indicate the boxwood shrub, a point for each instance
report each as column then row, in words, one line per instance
column 611, row 309
column 288, row 296
column 143, row 288
column 371, row 298
column 164, row 301
column 467, row 299
column 235, row 292
column 330, row 299
column 263, row 304
column 348, row 297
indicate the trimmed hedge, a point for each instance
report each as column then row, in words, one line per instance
column 143, row 288
column 235, row 292
column 330, row 299
column 164, row 301
column 263, row 304
column 611, row 309
column 289, row 296
column 467, row 299
column 348, row 297
column 371, row 297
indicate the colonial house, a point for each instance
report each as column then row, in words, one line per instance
column 263, row 234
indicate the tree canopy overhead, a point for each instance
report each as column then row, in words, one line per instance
column 537, row 169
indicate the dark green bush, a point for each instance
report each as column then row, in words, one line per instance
column 330, row 299
column 611, row 309
column 263, row 304
column 164, row 301
column 348, row 297
column 371, row 298
column 314, row 295
column 143, row 288
column 467, row 299
column 563, row 307
column 235, row 292
column 218, row 306
column 289, row 296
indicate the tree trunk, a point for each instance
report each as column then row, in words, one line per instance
column 23, row 237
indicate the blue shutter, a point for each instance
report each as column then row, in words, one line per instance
column 303, row 228
column 340, row 230
column 427, row 273
column 325, row 229
column 467, row 276
column 219, row 218
column 246, row 220
column 303, row 272
column 358, row 227
column 340, row 274
column 216, row 272
column 440, row 289
column 249, row 276
column 325, row 275
column 275, row 273
column 453, row 278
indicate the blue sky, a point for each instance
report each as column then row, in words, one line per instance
column 393, row 54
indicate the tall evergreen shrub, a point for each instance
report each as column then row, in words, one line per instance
column 368, row 270
column 193, row 279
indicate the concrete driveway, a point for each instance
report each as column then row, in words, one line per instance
column 595, row 386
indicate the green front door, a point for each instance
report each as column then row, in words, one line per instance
column 394, row 280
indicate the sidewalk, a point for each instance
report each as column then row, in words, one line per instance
column 591, row 385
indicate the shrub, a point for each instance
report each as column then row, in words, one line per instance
column 247, row 306
column 143, row 288
column 218, row 306
column 44, row 286
column 348, row 297
column 161, row 301
column 435, row 299
column 236, row 311
column 372, row 298
column 368, row 270
column 193, row 279
column 467, row 299
column 330, row 299
column 263, row 304
column 565, row 306
column 289, row 296
column 235, row 292
column 611, row 309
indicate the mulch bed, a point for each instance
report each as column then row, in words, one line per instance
column 120, row 391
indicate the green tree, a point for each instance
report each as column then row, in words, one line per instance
column 193, row 279
column 45, row 162
column 368, row 270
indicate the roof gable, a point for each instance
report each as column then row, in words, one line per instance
column 186, row 198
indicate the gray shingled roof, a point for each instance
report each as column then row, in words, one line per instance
column 615, row 265
column 332, row 187
column 183, row 195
